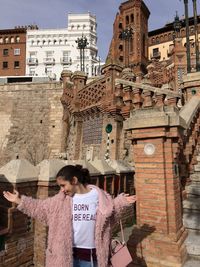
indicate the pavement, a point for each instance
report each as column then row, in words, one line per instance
column 127, row 233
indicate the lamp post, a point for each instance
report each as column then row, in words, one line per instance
column 187, row 36
column 82, row 44
column 196, row 35
column 177, row 26
column 99, row 69
column 126, row 35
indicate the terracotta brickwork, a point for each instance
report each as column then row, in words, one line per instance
column 13, row 52
column 19, row 238
column 131, row 53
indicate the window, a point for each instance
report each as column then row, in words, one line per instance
column 12, row 39
column 1, row 40
column 32, row 71
column 127, row 19
column 120, row 25
column 32, row 54
column 17, row 51
column 132, row 18
column 48, row 71
column 121, row 47
column 155, row 51
column 16, row 64
column 6, row 40
column 2, row 242
column 5, row 64
column 49, row 54
column 17, row 39
column 5, row 52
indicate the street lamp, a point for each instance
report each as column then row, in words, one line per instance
column 187, row 36
column 196, row 35
column 126, row 35
column 82, row 44
column 177, row 25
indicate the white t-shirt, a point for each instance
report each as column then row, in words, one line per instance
column 84, row 219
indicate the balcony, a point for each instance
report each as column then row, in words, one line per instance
column 32, row 61
column 49, row 61
column 66, row 61
column 156, row 55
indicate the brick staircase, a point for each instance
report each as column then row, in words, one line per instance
column 191, row 218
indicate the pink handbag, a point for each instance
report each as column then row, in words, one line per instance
column 120, row 256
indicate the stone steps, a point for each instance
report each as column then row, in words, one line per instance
column 192, row 203
column 193, row 244
column 191, row 218
column 193, row 189
column 192, row 263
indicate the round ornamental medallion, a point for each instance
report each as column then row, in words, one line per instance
column 108, row 128
column 149, row 149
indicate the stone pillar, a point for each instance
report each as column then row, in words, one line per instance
column 66, row 77
column 18, row 228
column 79, row 79
column 158, row 239
column 46, row 187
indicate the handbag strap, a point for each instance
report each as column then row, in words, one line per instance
column 122, row 232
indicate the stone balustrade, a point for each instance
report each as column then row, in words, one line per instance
column 143, row 95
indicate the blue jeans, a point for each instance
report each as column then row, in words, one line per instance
column 81, row 263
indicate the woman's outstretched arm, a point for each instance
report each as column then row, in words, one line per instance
column 35, row 208
column 121, row 202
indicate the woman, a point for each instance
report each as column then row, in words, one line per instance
column 79, row 218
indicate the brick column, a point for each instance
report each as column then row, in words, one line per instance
column 158, row 238
column 19, row 235
column 46, row 187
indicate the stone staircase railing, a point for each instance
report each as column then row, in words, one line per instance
column 191, row 204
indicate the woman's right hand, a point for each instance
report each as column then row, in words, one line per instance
column 14, row 198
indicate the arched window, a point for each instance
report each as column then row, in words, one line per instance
column 127, row 19
column 17, row 39
column 132, row 18
column 1, row 40
column 120, row 25
column 12, row 39
column 6, row 40
column 121, row 47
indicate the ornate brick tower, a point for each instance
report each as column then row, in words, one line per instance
column 130, row 32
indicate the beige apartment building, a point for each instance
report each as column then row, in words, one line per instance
column 161, row 41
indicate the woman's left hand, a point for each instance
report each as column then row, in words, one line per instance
column 130, row 199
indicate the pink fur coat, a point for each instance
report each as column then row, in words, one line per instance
column 56, row 212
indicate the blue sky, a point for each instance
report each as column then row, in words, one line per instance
column 53, row 14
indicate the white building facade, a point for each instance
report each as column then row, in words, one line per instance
column 50, row 51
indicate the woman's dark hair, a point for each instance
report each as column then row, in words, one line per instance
column 68, row 172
